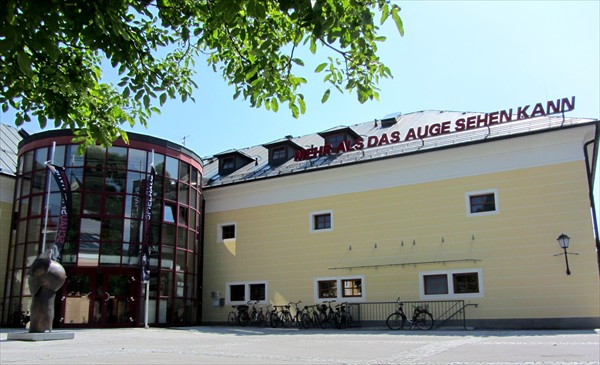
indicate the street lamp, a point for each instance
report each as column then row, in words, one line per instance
column 563, row 241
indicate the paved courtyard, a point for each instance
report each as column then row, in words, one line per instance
column 225, row 345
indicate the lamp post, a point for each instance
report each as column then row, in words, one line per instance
column 563, row 241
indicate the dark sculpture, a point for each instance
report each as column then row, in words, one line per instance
column 45, row 277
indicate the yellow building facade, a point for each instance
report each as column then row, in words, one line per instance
column 472, row 215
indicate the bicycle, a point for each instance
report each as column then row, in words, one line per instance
column 421, row 318
column 242, row 317
column 281, row 316
column 257, row 317
column 301, row 316
column 327, row 314
column 343, row 318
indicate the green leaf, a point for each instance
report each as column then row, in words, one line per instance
column 325, row 96
column 397, row 20
column 24, row 62
column 321, row 67
column 163, row 98
column 274, row 105
column 298, row 61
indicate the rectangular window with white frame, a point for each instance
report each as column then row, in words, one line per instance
column 321, row 221
column 226, row 231
column 482, row 202
column 342, row 289
column 242, row 292
column 451, row 284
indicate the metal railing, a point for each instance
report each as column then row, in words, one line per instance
column 446, row 313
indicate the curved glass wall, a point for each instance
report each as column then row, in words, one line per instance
column 107, row 230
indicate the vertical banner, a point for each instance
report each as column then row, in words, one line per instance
column 145, row 262
column 60, row 176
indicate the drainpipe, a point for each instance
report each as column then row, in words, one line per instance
column 592, row 169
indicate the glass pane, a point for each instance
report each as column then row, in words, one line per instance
column 184, row 172
column 179, row 285
column 137, row 160
column 115, row 181
column 59, row 155
column 136, row 182
column 92, row 204
column 112, row 229
column 114, row 205
column 134, row 206
column 181, row 262
column 37, row 203
column 89, row 245
column 21, row 231
column 466, row 283
column 131, row 254
column 116, row 158
column 34, row 230
column 26, row 188
column 257, row 292
column 40, row 158
column 159, row 163
column 237, row 293
column 172, row 168
column 38, row 182
column 95, row 158
column 183, row 193
column 31, row 254
column 132, row 231
column 24, row 208
column 191, row 264
column 182, row 237
column 27, row 162
column 183, row 215
column 170, row 212
column 110, row 253
column 436, row 284
column 167, row 257
column 170, row 189
column 75, row 178
column 168, row 234
column 72, row 156
column 328, row 289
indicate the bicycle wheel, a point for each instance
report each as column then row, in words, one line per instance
column 424, row 321
column 231, row 319
column 323, row 320
column 395, row 321
column 274, row 319
column 260, row 319
column 305, row 321
column 286, row 319
column 244, row 319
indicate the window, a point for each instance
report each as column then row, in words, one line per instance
column 321, row 221
column 451, row 284
column 349, row 288
column 226, row 231
column 482, row 202
column 242, row 292
column 327, row 289
column 278, row 153
column 228, row 164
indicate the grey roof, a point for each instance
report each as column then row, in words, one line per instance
column 405, row 122
column 9, row 141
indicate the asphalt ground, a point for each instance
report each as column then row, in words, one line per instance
column 230, row 345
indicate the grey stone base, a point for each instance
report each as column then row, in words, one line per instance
column 47, row 336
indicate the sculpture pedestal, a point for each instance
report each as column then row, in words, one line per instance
column 46, row 336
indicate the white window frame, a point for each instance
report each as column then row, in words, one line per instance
column 339, row 297
column 246, row 292
column 451, row 294
column 468, row 196
column 311, row 221
column 220, row 232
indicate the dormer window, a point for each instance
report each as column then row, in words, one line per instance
column 281, row 150
column 228, row 164
column 232, row 160
column 335, row 139
column 278, row 154
column 337, row 135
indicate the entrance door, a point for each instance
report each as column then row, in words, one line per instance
column 101, row 298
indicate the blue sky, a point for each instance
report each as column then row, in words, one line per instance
column 455, row 55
